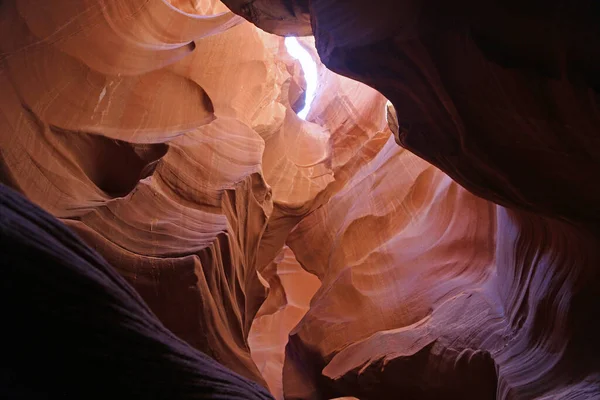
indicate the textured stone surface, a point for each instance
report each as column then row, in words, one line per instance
column 319, row 258
column 287, row 17
column 497, row 94
column 77, row 330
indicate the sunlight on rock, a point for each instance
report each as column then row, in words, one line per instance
column 190, row 208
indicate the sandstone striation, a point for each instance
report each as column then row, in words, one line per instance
column 317, row 258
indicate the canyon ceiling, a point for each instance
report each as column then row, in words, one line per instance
column 430, row 231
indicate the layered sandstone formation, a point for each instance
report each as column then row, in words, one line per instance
column 77, row 330
column 319, row 258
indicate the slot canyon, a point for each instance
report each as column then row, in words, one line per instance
column 187, row 213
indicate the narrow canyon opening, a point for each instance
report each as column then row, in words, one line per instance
column 292, row 199
column 309, row 69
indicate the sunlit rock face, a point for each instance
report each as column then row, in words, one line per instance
column 315, row 256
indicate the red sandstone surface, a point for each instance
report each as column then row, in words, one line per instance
column 443, row 245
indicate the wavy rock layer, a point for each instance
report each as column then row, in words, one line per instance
column 317, row 257
column 497, row 94
column 448, row 296
column 78, row 330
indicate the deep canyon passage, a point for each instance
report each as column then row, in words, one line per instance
column 187, row 212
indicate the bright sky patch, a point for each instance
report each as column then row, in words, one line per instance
column 310, row 71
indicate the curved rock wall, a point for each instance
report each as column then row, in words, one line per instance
column 318, row 257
